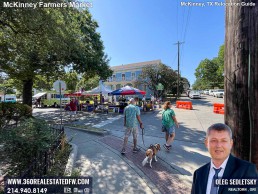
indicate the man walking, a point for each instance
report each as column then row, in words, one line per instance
column 131, row 119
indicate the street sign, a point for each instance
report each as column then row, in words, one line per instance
column 59, row 86
column 160, row 87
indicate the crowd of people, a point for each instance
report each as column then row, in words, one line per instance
column 122, row 102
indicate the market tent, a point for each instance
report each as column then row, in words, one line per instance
column 38, row 95
column 101, row 89
column 128, row 90
column 76, row 94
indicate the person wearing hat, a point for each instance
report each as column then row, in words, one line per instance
column 131, row 120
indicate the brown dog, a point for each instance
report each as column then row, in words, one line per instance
column 150, row 153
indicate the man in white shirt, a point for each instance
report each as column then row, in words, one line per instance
column 219, row 143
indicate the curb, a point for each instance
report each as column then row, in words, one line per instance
column 71, row 159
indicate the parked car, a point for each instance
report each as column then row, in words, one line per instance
column 218, row 93
column 211, row 92
column 206, row 92
column 201, row 91
column 194, row 94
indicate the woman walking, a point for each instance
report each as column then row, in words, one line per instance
column 168, row 124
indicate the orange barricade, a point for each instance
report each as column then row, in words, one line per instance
column 184, row 105
column 218, row 108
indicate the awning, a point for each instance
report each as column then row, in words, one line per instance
column 38, row 95
column 101, row 89
column 128, row 90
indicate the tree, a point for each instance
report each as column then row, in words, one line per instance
column 87, row 83
column 71, row 79
column 199, row 84
column 44, row 45
column 206, row 72
column 183, row 86
column 209, row 73
column 152, row 75
column 219, row 60
column 44, row 82
column 241, row 79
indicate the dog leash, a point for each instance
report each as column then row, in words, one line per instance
column 143, row 137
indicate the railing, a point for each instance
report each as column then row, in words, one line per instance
column 45, row 160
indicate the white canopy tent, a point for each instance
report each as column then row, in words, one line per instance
column 101, row 89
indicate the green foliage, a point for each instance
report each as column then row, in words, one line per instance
column 71, row 79
column 61, row 157
column 152, row 75
column 13, row 112
column 209, row 73
column 44, row 82
column 220, row 62
column 45, row 45
column 23, row 144
column 200, row 85
column 183, row 86
column 76, row 173
column 87, row 83
column 7, row 86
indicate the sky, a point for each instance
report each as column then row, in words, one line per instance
column 143, row 30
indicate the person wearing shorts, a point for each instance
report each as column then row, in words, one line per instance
column 169, row 122
column 131, row 119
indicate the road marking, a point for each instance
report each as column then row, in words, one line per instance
column 110, row 120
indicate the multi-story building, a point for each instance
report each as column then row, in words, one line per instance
column 128, row 75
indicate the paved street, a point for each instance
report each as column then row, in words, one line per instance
column 99, row 156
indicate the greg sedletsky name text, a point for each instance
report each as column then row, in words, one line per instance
column 41, row 4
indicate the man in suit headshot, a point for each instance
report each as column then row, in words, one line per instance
column 219, row 143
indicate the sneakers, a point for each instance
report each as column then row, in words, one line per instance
column 123, row 151
column 167, row 147
column 136, row 150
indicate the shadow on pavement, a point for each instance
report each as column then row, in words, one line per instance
column 110, row 173
column 163, row 177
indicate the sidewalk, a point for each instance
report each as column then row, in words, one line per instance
column 112, row 172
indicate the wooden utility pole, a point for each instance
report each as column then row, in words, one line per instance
column 178, row 64
column 241, row 78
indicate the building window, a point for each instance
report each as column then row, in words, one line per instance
column 133, row 76
column 114, row 77
column 123, row 77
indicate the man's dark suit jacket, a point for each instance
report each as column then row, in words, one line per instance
column 235, row 168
